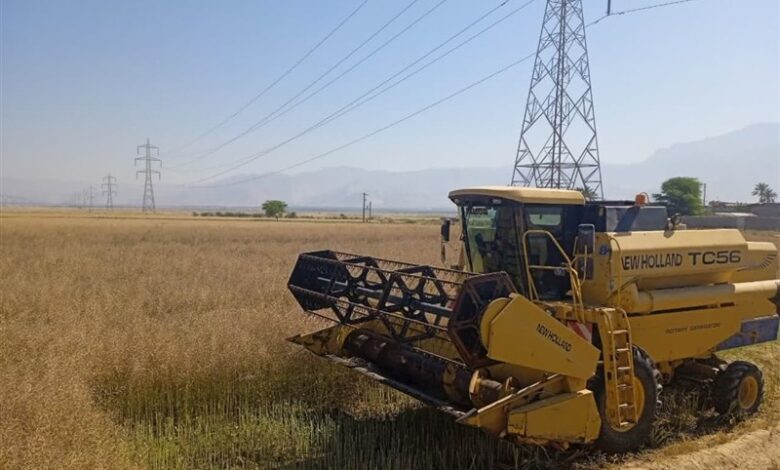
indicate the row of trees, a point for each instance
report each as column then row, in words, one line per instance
column 682, row 195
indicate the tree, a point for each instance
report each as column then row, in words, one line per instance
column 764, row 192
column 274, row 208
column 588, row 193
column 681, row 195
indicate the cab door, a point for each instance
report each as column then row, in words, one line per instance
column 551, row 284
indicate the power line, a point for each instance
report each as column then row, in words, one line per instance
column 417, row 112
column 368, row 96
column 635, row 10
column 380, row 130
column 280, row 110
column 650, row 7
column 277, row 80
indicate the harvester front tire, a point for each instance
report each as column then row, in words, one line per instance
column 738, row 390
column 614, row 441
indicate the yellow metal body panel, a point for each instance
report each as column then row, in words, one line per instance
column 682, row 335
column 761, row 263
column 659, row 300
column 568, row 417
column 661, row 260
column 519, row 332
column 493, row 417
column 326, row 341
column 525, row 195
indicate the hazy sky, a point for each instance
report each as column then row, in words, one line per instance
column 84, row 82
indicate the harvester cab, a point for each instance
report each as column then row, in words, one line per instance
column 534, row 234
column 564, row 321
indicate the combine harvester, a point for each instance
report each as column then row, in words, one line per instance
column 567, row 320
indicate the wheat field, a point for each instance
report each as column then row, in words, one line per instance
column 160, row 343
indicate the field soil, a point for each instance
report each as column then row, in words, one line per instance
column 159, row 342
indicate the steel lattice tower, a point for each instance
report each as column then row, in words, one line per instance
column 148, row 171
column 558, row 146
column 89, row 197
column 109, row 182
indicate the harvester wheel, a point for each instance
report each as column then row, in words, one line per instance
column 646, row 377
column 739, row 389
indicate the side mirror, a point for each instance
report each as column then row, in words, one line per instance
column 586, row 239
column 445, row 230
column 586, row 245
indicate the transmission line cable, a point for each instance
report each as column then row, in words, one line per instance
column 639, row 9
column 368, row 96
column 417, row 112
column 381, row 129
column 650, row 7
column 276, row 81
column 272, row 115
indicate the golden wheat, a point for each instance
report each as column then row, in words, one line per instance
column 159, row 342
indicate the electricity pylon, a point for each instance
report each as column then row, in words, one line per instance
column 558, row 145
column 148, row 171
column 109, row 182
column 89, row 197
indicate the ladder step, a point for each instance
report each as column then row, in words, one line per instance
column 619, row 332
column 622, row 350
column 623, row 406
column 624, row 387
column 625, row 423
column 624, row 368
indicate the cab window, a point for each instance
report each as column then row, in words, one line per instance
column 491, row 238
column 548, row 218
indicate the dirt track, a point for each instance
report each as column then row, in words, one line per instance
column 756, row 450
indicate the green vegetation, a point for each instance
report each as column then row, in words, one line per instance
column 681, row 195
column 274, row 208
column 588, row 193
column 765, row 193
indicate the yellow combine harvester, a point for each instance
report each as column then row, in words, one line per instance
column 567, row 320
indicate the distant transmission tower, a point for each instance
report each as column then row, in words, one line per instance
column 89, row 197
column 148, row 159
column 558, row 145
column 109, row 182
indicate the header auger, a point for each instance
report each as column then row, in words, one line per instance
column 564, row 323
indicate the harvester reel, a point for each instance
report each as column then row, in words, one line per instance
column 413, row 302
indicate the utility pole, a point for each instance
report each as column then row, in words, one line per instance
column 365, row 195
column 558, row 145
column 369, row 210
column 148, row 171
column 704, row 194
column 109, row 182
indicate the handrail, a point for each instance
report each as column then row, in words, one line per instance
column 619, row 270
column 576, row 286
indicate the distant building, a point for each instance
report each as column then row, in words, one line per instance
column 725, row 206
column 769, row 209
column 738, row 215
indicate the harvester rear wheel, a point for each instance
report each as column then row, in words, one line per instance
column 739, row 389
column 646, row 376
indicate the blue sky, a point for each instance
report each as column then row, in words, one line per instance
column 84, row 82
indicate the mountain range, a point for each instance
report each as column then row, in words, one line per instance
column 730, row 165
